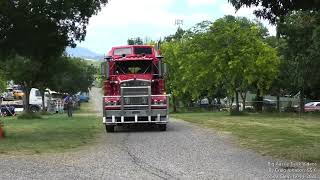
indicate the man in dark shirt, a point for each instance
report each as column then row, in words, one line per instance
column 69, row 103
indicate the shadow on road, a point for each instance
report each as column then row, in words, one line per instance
column 138, row 128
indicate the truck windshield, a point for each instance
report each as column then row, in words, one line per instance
column 133, row 67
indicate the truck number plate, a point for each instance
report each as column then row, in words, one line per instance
column 135, row 112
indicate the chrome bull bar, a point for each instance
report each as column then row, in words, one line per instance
column 153, row 112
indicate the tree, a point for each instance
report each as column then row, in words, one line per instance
column 29, row 28
column 273, row 9
column 39, row 31
column 135, row 41
column 229, row 54
column 242, row 59
column 74, row 75
column 3, row 82
column 301, row 31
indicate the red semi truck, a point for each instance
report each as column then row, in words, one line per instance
column 134, row 87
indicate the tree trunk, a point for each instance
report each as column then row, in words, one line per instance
column 43, row 100
column 174, row 101
column 237, row 101
column 243, row 97
column 26, row 99
column 278, row 102
column 259, row 100
column 301, row 100
column 231, row 102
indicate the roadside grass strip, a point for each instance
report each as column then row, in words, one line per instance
column 51, row 133
column 284, row 136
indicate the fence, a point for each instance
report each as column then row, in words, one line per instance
column 266, row 105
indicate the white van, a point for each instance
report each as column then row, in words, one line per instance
column 35, row 100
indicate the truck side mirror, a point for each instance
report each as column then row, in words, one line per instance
column 105, row 70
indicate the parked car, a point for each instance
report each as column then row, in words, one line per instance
column 83, row 96
column 312, row 107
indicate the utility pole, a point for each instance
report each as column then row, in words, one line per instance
column 178, row 22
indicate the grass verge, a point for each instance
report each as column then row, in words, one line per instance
column 284, row 136
column 51, row 133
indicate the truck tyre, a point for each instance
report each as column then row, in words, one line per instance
column 34, row 109
column 162, row 127
column 110, row 128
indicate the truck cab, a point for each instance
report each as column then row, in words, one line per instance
column 134, row 87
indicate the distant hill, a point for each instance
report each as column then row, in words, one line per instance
column 84, row 53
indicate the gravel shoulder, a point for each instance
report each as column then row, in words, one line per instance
column 184, row 151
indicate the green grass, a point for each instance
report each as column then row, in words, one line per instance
column 284, row 136
column 51, row 133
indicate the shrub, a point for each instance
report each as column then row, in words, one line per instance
column 29, row 115
column 249, row 109
column 270, row 109
column 234, row 112
column 290, row 109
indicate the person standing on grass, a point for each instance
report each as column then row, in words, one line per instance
column 69, row 103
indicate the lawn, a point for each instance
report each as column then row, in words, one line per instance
column 284, row 136
column 52, row 133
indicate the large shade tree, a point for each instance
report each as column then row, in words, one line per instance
column 301, row 30
column 227, row 56
column 39, row 31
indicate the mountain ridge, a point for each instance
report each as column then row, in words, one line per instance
column 85, row 53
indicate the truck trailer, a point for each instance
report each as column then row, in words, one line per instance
column 134, row 87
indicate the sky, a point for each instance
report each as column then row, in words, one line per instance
column 120, row 20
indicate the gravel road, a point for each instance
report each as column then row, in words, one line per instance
column 184, row 151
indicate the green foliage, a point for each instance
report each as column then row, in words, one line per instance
column 135, row 41
column 36, row 29
column 3, row 82
column 273, row 9
column 73, row 75
column 34, row 34
column 220, row 58
column 301, row 53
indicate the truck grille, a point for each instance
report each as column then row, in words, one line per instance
column 128, row 91
column 135, row 100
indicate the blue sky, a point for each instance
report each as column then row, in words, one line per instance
column 123, row 19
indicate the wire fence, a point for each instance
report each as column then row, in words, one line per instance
column 253, row 106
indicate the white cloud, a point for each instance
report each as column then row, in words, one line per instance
column 192, row 3
column 122, row 19
column 123, row 13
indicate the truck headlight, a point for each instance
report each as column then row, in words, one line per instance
column 111, row 103
column 158, row 102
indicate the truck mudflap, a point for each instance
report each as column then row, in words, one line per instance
column 116, row 111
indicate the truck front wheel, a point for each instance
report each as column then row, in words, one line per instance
column 110, row 128
column 34, row 109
